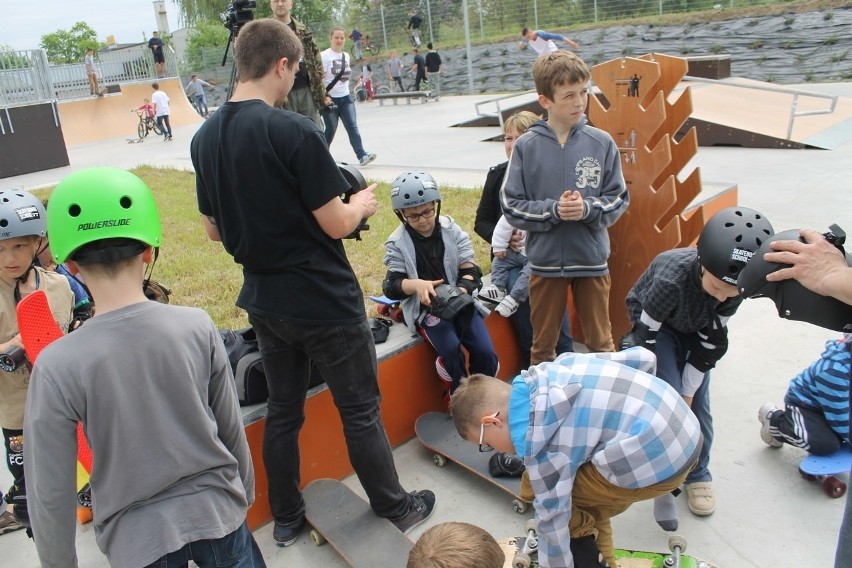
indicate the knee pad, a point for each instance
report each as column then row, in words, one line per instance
column 586, row 553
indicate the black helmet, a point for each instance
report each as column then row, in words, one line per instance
column 729, row 239
column 793, row 301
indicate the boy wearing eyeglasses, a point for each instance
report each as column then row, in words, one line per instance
column 597, row 432
column 426, row 251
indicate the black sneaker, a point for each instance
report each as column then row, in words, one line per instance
column 422, row 506
column 284, row 535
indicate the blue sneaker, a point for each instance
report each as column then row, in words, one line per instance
column 284, row 535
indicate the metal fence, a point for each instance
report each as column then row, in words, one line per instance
column 26, row 77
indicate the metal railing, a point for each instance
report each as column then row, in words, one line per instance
column 498, row 113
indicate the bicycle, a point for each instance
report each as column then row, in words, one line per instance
column 361, row 91
column 424, row 84
column 146, row 124
column 367, row 46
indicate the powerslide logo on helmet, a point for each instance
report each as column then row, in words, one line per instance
column 103, row 224
column 28, row 213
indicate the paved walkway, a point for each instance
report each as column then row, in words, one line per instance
column 767, row 514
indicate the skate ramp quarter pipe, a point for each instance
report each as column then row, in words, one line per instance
column 103, row 118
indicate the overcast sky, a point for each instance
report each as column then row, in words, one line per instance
column 127, row 20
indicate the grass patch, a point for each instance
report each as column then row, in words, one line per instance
column 201, row 274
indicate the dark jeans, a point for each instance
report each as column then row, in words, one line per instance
column 167, row 129
column 419, row 78
column 448, row 337
column 201, row 104
column 522, row 325
column 236, row 550
column 345, row 111
column 398, row 80
column 346, row 358
column 672, row 350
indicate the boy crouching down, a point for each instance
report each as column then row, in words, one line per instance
column 597, row 432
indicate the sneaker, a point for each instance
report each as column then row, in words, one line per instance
column 701, row 499
column 284, row 535
column 422, row 506
column 366, row 159
column 507, row 307
column 491, row 294
column 764, row 415
column 8, row 523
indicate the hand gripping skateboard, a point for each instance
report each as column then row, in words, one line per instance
column 343, row 519
column 438, row 433
column 388, row 308
column 38, row 329
column 827, row 468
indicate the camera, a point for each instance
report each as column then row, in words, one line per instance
column 356, row 183
column 237, row 14
column 12, row 359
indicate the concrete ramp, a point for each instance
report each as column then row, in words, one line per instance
column 743, row 112
column 103, row 118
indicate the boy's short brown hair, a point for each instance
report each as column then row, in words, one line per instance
column 557, row 69
column 474, row 397
column 456, row 545
column 261, row 44
column 520, row 121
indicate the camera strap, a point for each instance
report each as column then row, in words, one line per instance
column 334, row 81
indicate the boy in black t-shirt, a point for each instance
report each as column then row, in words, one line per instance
column 269, row 190
column 433, row 71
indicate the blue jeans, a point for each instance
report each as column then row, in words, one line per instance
column 201, row 104
column 672, row 350
column 236, row 550
column 346, row 357
column 164, row 120
column 522, row 325
column 448, row 337
column 345, row 111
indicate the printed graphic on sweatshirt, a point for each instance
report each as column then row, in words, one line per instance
column 588, row 172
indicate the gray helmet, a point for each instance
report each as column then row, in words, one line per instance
column 792, row 300
column 413, row 188
column 21, row 215
column 729, row 239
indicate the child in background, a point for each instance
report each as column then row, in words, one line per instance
column 456, row 545
column 428, row 251
column 506, row 259
column 23, row 219
column 679, row 308
column 147, row 108
column 367, row 79
column 597, row 433
column 817, row 405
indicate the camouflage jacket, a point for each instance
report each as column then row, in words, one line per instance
column 313, row 62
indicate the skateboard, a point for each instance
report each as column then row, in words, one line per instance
column 827, row 468
column 340, row 517
column 522, row 552
column 436, row 431
column 38, row 329
column 388, row 308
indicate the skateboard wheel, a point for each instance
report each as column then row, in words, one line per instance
column 396, row 315
column 439, row 460
column 677, row 541
column 521, row 560
column 519, row 506
column 531, row 526
column 383, row 309
column 833, row 487
column 317, row 538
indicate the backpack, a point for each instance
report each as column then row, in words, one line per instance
column 244, row 357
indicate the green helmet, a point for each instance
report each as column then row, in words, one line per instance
column 100, row 203
column 21, row 214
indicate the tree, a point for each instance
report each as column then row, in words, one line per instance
column 206, row 33
column 69, row 46
column 309, row 11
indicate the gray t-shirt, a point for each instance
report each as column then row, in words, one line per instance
column 395, row 67
column 153, row 388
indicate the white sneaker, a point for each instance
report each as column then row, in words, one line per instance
column 366, row 159
column 491, row 294
column 507, row 307
column 764, row 415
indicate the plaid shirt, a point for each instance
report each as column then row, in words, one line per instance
column 607, row 409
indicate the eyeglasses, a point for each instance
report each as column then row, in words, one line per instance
column 482, row 446
column 428, row 214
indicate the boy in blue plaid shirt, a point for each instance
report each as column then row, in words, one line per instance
column 597, row 432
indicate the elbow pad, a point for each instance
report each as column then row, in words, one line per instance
column 641, row 335
column 470, row 286
column 708, row 347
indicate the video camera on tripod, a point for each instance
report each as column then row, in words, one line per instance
column 237, row 14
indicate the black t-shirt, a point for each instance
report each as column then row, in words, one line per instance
column 261, row 172
column 429, row 254
column 301, row 80
column 433, row 62
column 421, row 64
column 414, row 22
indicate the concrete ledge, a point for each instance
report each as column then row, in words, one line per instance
column 408, row 96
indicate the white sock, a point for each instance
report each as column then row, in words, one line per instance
column 665, row 512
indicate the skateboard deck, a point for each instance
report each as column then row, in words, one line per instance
column 343, row 519
column 827, row 468
column 517, row 557
column 38, row 329
column 436, row 431
column 388, row 308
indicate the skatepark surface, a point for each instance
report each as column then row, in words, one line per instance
column 766, row 515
